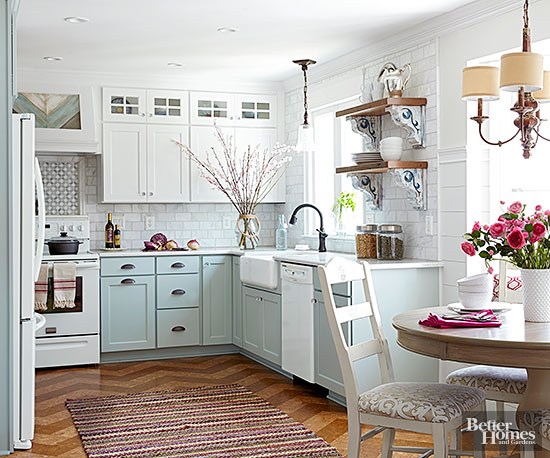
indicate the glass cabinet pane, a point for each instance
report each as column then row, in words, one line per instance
column 262, row 106
column 117, row 99
column 248, row 105
column 205, row 113
column 205, row 103
column 174, row 102
column 262, row 115
column 159, row 101
column 219, row 104
column 174, row 112
column 160, row 111
column 132, row 100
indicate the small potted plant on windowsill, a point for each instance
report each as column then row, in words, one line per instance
column 343, row 204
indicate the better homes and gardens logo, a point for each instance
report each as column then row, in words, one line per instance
column 499, row 432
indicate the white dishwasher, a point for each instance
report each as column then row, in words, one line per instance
column 297, row 321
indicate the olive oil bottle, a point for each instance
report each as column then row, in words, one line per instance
column 109, row 232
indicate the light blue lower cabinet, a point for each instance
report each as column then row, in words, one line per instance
column 262, row 324
column 178, row 328
column 237, row 303
column 128, row 313
column 217, row 317
column 178, row 291
column 327, row 366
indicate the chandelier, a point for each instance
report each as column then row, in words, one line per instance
column 521, row 72
column 306, row 142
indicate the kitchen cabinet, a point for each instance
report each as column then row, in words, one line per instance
column 178, row 291
column 226, row 109
column 167, row 107
column 145, row 106
column 203, row 138
column 178, row 328
column 124, row 105
column 327, row 366
column 216, row 300
column 143, row 163
column 128, row 313
column 237, row 291
column 262, row 324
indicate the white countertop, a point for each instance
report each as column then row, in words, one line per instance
column 310, row 258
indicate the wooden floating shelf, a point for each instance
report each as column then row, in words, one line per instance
column 378, row 107
column 381, row 167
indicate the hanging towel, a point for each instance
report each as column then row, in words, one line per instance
column 41, row 289
column 64, row 285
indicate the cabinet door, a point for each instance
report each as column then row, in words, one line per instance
column 263, row 138
column 124, row 104
column 209, row 107
column 237, row 303
column 127, row 313
column 253, row 318
column 124, row 163
column 168, row 168
column 327, row 366
column 256, row 110
column 271, row 304
column 167, row 107
column 202, row 140
column 216, row 300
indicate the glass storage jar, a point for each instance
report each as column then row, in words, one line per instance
column 390, row 241
column 365, row 241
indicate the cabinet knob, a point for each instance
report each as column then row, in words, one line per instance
column 151, row 193
column 127, row 266
column 178, row 328
column 150, row 115
column 142, row 115
column 143, row 193
column 128, row 281
column 178, row 292
column 231, row 118
column 178, row 265
column 206, row 264
column 314, row 301
column 238, row 118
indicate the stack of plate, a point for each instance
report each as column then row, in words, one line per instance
column 371, row 156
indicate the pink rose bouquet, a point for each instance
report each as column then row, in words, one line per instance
column 516, row 237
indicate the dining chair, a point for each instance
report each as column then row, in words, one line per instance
column 538, row 421
column 500, row 384
column 430, row 408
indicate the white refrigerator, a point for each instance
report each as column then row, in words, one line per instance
column 26, row 256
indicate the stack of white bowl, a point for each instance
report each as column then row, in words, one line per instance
column 391, row 148
column 475, row 292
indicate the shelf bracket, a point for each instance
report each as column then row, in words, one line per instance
column 371, row 186
column 413, row 120
column 414, row 182
column 369, row 128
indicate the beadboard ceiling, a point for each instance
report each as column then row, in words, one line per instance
column 142, row 36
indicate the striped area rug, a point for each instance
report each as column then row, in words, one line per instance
column 225, row 421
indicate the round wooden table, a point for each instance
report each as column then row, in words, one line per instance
column 516, row 343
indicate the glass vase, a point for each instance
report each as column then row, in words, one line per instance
column 248, row 231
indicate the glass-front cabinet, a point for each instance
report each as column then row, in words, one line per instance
column 124, row 104
column 237, row 110
column 167, row 107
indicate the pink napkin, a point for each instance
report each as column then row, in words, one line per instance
column 435, row 321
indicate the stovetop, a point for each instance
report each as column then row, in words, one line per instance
column 81, row 256
column 76, row 226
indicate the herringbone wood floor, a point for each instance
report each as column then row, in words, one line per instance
column 56, row 435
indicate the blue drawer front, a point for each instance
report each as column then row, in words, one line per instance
column 130, row 266
column 177, row 264
column 178, row 291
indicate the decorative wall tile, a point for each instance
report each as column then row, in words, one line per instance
column 61, row 187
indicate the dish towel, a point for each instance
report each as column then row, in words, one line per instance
column 41, row 290
column 483, row 319
column 64, row 285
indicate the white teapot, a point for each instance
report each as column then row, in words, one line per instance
column 394, row 78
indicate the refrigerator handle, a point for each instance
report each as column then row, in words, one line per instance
column 41, row 219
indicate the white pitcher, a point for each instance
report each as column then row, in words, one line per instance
column 394, row 78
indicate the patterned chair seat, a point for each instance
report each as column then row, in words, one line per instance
column 539, row 420
column 491, row 378
column 429, row 402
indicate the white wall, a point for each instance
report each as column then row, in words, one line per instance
column 463, row 164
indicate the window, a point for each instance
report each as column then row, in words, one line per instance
column 335, row 143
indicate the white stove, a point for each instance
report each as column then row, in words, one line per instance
column 71, row 336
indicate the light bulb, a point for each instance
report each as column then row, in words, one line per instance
column 306, row 142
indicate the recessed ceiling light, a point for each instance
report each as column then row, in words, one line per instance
column 227, row 29
column 174, row 64
column 76, row 19
column 52, row 58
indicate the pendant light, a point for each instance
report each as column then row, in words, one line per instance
column 306, row 142
column 521, row 72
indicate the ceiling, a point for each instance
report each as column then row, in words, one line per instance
column 142, row 36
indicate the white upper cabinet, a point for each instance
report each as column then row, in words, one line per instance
column 167, row 107
column 237, row 110
column 210, row 107
column 124, row 104
column 256, row 110
column 167, row 165
column 124, row 163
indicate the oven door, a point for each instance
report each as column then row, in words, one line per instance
column 82, row 319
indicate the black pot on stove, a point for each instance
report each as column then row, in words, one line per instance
column 63, row 245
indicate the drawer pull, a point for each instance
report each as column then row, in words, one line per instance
column 128, row 281
column 178, row 329
column 178, row 292
column 178, row 265
column 51, row 330
column 128, row 266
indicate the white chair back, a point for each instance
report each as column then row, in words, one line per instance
column 340, row 270
column 505, row 294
